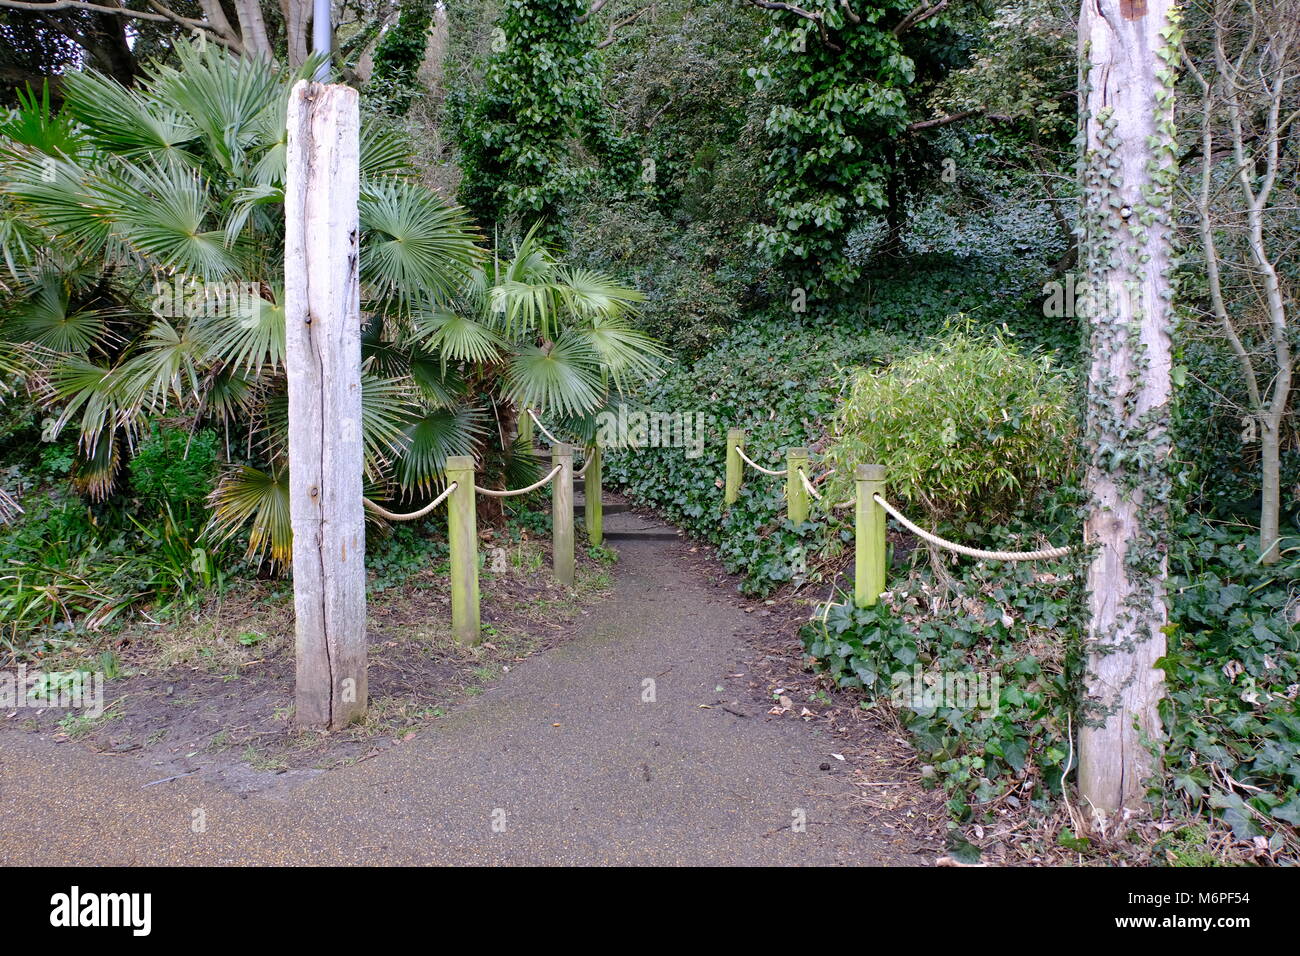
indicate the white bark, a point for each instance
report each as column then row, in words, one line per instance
column 1126, row 248
column 323, row 339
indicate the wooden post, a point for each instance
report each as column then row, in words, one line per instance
column 524, row 423
column 323, row 362
column 796, row 495
column 593, row 507
column 868, row 535
column 562, row 513
column 735, row 467
column 462, row 541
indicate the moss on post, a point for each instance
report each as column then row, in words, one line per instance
column 796, row 495
column 593, row 509
column 462, row 541
column 562, row 513
column 735, row 467
column 868, row 535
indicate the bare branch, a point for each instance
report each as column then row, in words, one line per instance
column 919, row 15
column 626, row 21
column 956, row 118
column 155, row 17
column 811, row 15
column 594, row 9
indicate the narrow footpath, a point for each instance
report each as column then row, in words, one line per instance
column 596, row 752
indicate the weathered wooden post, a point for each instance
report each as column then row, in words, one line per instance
column 796, row 495
column 462, row 542
column 593, row 507
column 562, row 513
column 323, row 361
column 735, row 467
column 868, row 535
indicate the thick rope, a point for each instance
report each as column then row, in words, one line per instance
column 519, row 491
column 538, row 422
column 394, row 516
column 972, row 552
column 753, row 464
column 583, row 470
column 813, row 491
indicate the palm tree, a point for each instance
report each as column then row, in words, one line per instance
column 142, row 241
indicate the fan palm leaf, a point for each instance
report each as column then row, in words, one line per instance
column 564, row 377
column 413, row 244
column 258, row 500
column 429, row 439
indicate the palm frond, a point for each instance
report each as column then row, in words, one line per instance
column 45, row 319
column 165, row 212
column 257, row 500
column 124, row 122
column 430, row 439
column 414, row 245
column 457, row 337
column 246, row 333
column 564, row 377
column 626, row 354
column 387, row 405
column 164, row 366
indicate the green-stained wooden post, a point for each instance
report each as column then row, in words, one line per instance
column 524, row 425
column 796, row 495
column 462, row 541
column 735, row 467
column 869, row 535
column 562, row 513
column 593, row 509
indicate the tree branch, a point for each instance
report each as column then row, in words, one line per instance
column 956, row 118
column 591, row 11
column 629, row 19
column 814, row 16
column 919, row 15
column 154, row 17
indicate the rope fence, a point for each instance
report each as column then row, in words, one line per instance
column 412, row 516
column 869, row 505
column 870, row 511
column 492, row 493
column 462, row 521
column 755, row 465
column 1043, row 555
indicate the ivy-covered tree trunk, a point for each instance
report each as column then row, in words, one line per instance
column 1127, row 52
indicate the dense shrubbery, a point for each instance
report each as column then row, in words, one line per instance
column 1233, row 672
column 968, row 426
column 783, row 378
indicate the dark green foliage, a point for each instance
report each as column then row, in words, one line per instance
column 1216, row 445
column 541, row 95
column 398, row 57
column 782, row 377
column 842, row 101
column 1233, row 671
column 1007, row 627
column 173, row 467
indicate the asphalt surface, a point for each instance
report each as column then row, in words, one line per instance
column 560, row 761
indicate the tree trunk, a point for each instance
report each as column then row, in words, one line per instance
column 1127, row 52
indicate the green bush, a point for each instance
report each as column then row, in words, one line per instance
column 970, row 426
column 173, row 467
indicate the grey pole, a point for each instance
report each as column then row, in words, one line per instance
column 320, row 37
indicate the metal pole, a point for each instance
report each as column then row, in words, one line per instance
column 321, row 36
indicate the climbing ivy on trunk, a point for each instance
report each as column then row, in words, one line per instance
column 1129, row 50
column 524, row 132
column 841, row 77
